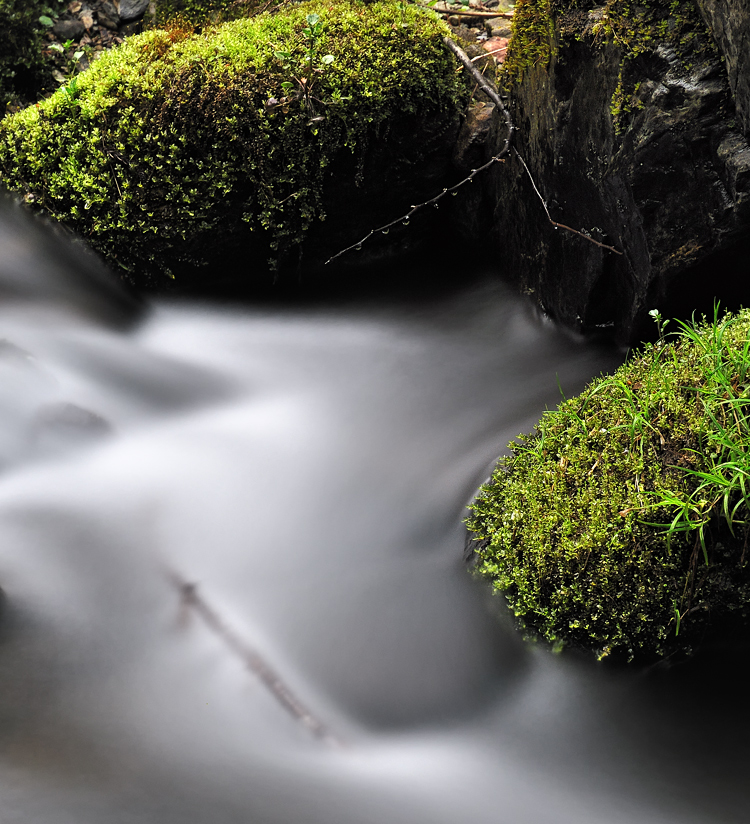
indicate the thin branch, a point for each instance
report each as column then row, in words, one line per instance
column 562, row 225
column 495, row 97
column 538, row 193
column 486, row 86
column 251, row 659
column 491, row 92
column 475, row 13
column 487, row 54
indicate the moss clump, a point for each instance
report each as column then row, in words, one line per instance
column 532, row 40
column 22, row 69
column 166, row 149
column 621, row 525
column 634, row 28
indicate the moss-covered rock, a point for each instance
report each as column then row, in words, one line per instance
column 175, row 147
column 621, row 525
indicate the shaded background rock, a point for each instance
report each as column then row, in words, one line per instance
column 639, row 151
column 729, row 22
column 132, row 9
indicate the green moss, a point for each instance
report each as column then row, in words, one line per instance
column 621, row 525
column 637, row 28
column 640, row 28
column 164, row 150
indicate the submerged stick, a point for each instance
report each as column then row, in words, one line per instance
column 251, row 659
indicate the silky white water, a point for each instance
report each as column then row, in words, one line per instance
column 232, row 558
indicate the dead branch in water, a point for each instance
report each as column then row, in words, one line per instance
column 254, row 662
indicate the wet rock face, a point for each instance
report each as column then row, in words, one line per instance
column 641, row 154
column 729, row 21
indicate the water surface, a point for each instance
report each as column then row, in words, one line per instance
column 232, row 553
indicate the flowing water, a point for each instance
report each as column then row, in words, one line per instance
column 232, row 557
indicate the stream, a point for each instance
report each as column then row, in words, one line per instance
column 233, row 561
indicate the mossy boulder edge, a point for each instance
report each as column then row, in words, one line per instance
column 573, row 525
column 164, row 154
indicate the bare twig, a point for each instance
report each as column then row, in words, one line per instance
column 562, row 225
column 486, row 86
column 473, row 13
column 251, row 659
column 491, row 92
column 487, row 54
column 495, row 97
column 404, row 219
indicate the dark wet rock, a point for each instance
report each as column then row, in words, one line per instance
column 107, row 16
column 134, row 27
column 469, row 151
column 498, row 27
column 133, row 9
column 71, row 29
column 729, row 21
column 642, row 155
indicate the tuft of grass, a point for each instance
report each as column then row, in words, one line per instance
column 621, row 524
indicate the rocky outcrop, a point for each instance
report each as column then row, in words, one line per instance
column 637, row 148
column 729, row 21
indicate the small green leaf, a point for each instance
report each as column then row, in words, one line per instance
column 313, row 19
column 46, row 21
column 327, row 59
column 78, row 55
column 282, row 55
column 57, row 47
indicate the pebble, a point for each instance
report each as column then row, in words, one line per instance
column 71, row 29
column 132, row 9
column 95, row 24
column 108, row 16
